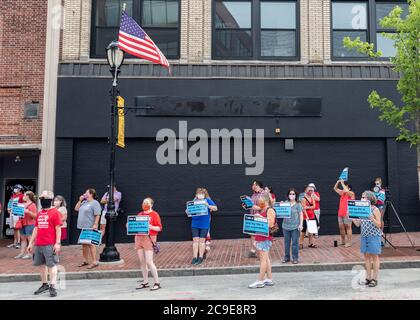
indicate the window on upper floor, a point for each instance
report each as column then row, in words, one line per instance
column 361, row 19
column 159, row 18
column 255, row 29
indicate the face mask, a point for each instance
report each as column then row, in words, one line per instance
column 261, row 205
column 200, row 196
column 15, row 190
column 45, row 203
column 146, row 207
column 292, row 196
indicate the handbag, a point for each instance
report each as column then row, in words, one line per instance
column 18, row 225
column 156, row 246
column 275, row 228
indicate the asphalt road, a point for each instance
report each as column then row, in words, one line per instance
column 393, row 284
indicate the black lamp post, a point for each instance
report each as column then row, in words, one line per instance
column 115, row 59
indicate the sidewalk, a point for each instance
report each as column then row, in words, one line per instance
column 226, row 257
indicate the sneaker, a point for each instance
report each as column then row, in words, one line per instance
column 42, row 289
column 53, row 291
column 11, row 245
column 19, row 256
column 285, row 260
column 268, row 282
column 256, row 284
column 27, row 257
column 194, row 261
column 199, row 260
column 295, row 262
column 17, row 246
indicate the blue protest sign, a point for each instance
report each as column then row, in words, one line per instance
column 197, row 208
column 283, row 209
column 18, row 209
column 255, row 225
column 359, row 209
column 247, row 201
column 137, row 225
column 344, row 174
column 90, row 236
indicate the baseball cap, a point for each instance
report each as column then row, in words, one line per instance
column 46, row 194
column 312, row 185
column 18, row 186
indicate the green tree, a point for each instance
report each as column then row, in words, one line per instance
column 406, row 117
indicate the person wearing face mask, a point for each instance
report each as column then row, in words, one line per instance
column 200, row 226
column 370, row 240
column 344, row 223
column 144, row 245
column 292, row 227
column 28, row 224
column 264, row 243
column 17, row 196
column 258, row 191
column 380, row 195
column 89, row 214
column 45, row 243
column 308, row 205
column 61, row 205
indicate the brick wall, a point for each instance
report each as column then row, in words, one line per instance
column 196, row 22
column 22, row 54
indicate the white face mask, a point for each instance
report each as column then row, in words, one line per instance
column 15, row 190
column 292, row 196
column 200, row 196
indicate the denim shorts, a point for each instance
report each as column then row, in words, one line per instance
column 263, row 245
column 370, row 245
column 27, row 230
column 199, row 233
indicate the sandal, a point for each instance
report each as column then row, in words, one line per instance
column 156, row 286
column 373, row 283
column 312, row 246
column 84, row 263
column 92, row 266
column 143, row 285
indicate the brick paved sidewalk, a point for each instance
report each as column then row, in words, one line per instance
column 224, row 253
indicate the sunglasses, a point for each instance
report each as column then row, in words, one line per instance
column 292, row 194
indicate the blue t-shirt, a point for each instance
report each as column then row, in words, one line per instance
column 202, row 222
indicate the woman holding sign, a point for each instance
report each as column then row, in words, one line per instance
column 291, row 227
column 144, row 245
column 28, row 224
column 200, row 225
column 89, row 214
column 370, row 240
column 308, row 205
column 344, row 223
column 264, row 243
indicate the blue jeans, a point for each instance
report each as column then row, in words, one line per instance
column 291, row 236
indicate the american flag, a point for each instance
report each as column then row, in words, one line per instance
column 133, row 40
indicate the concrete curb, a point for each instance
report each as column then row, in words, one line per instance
column 118, row 274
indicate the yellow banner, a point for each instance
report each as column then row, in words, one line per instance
column 121, row 127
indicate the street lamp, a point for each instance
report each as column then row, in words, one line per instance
column 115, row 58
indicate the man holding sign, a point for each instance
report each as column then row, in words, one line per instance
column 45, row 243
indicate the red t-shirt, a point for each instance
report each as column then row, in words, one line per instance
column 310, row 212
column 27, row 219
column 46, row 221
column 343, row 209
column 19, row 196
column 317, row 202
column 262, row 238
column 154, row 221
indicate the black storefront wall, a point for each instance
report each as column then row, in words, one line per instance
column 347, row 134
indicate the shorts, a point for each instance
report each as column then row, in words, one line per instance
column 45, row 255
column 13, row 219
column 371, row 245
column 344, row 220
column 199, row 233
column 305, row 226
column 263, row 245
column 144, row 242
column 27, row 230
